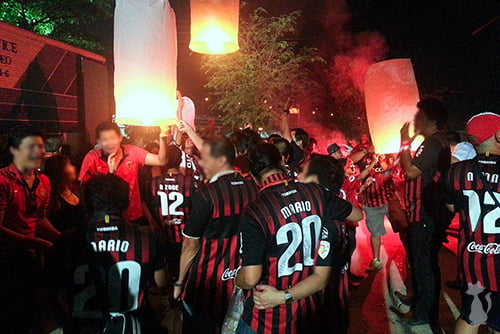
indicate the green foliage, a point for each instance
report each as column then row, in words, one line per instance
column 84, row 23
column 253, row 84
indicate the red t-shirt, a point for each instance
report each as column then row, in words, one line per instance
column 21, row 212
column 349, row 189
column 128, row 169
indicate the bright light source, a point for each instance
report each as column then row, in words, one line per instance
column 391, row 96
column 294, row 110
column 314, row 113
column 206, row 99
column 145, row 59
column 261, row 129
column 214, row 26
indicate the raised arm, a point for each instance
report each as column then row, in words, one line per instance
column 412, row 171
column 186, row 128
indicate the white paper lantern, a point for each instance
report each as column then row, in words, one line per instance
column 391, row 96
column 145, row 54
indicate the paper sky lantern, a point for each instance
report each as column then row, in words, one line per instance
column 214, row 26
column 391, row 96
column 189, row 111
column 145, row 50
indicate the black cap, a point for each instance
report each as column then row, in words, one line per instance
column 333, row 148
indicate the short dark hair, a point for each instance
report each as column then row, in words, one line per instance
column 106, row 193
column 264, row 158
column 301, row 134
column 329, row 171
column 244, row 140
column 16, row 135
column 106, row 126
column 283, row 146
column 435, row 110
column 222, row 147
column 273, row 137
column 174, row 157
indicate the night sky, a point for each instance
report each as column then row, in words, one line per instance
column 449, row 60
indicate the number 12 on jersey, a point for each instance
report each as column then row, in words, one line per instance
column 476, row 211
column 170, row 203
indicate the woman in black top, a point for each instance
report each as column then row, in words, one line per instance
column 66, row 209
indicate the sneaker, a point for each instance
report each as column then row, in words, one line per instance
column 375, row 265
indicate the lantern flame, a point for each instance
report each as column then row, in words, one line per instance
column 214, row 26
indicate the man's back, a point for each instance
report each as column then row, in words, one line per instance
column 283, row 232
column 216, row 212
column 105, row 269
column 479, row 241
column 173, row 203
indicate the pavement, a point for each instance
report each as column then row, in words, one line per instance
column 372, row 299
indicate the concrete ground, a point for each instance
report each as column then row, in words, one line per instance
column 371, row 301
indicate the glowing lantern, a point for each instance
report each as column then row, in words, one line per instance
column 145, row 50
column 214, row 26
column 391, row 96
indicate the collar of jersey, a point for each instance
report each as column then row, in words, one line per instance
column 221, row 174
column 275, row 179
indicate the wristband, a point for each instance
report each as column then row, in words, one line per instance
column 405, row 148
column 177, row 285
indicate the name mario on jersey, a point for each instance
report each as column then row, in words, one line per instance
column 110, row 246
column 295, row 208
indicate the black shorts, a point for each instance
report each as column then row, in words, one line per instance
column 480, row 307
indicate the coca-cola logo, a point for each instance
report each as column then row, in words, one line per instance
column 230, row 274
column 491, row 248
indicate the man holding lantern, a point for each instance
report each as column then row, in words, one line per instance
column 427, row 219
column 112, row 157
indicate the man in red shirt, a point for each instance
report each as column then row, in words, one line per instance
column 123, row 160
column 24, row 227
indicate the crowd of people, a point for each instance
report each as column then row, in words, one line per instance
column 198, row 220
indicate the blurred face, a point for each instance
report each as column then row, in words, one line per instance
column 210, row 164
column 70, row 172
column 189, row 144
column 350, row 168
column 109, row 141
column 364, row 138
column 421, row 122
column 30, row 153
column 336, row 155
column 304, row 178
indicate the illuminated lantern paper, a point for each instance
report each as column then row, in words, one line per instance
column 391, row 96
column 145, row 51
column 214, row 26
column 189, row 111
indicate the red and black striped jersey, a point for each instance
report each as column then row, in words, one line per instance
column 105, row 268
column 479, row 235
column 283, row 231
column 217, row 208
column 380, row 192
column 424, row 194
column 173, row 203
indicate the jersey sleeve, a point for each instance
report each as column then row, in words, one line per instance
column 428, row 155
column 449, row 193
column 4, row 195
column 139, row 154
column 86, row 170
column 196, row 224
column 329, row 245
column 336, row 208
column 252, row 241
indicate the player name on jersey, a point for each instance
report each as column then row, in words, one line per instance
column 295, row 208
column 110, row 245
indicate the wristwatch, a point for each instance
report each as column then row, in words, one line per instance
column 288, row 297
